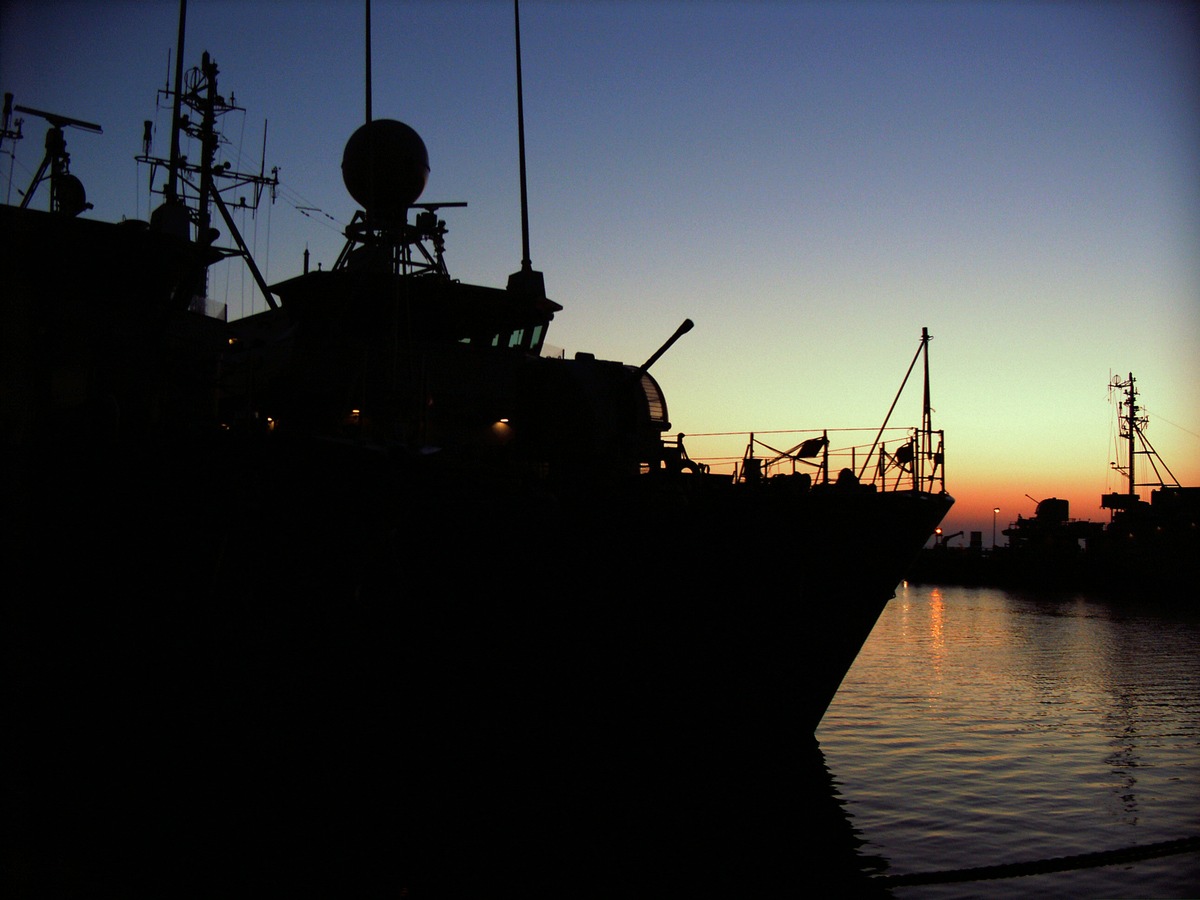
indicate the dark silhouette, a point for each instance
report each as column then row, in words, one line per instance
column 364, row 590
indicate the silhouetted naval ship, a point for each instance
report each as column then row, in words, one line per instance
column 1148, row 549
column 372, row 557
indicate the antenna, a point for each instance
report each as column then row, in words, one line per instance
column 922, row 349
column 262, row 170
column 368, row 60
column 176, row 111
column 60, row 121
column 66, row 191
column 14, row 134
column 525, row 261
column 527, row 280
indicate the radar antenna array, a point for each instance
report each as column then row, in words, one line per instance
column 67, row 195
column 1133, row 424
column 208, row 179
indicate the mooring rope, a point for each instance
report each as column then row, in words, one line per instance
column 1044, row 866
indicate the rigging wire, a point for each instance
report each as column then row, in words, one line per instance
column 742, row 432
column 227, row 278
column 1158, row 417
column 264, row 269
column 12, row 158
column 267, row 255
column 1114, row 443
column 25, row 170
column 310, row 210
column 242, row 273
column 237, row 158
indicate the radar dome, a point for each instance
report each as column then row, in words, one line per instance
column 385, row 166
column 71, row 197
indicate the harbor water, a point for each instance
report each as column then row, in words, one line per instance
column 994, row 744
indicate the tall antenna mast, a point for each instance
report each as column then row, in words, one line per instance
column 1132, row 427
column 172, row 193
column 525, row 261
column 527, row 280
column 923, row 348
column 1131, row 420
column 368, row 60
column 926, row 419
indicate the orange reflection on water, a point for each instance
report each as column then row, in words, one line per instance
column 937, row 616
column 937, row 630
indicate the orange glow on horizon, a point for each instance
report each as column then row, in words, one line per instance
column 974, row 502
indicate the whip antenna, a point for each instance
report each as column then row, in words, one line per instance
column 176, row 110
column 527, row 280
column 368, row 60
column 525, row 261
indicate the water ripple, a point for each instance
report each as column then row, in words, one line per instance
column 980, row 727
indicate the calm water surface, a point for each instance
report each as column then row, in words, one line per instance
column 982, row 727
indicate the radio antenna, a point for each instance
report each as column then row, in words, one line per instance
column 368, row 60
column 525, row 261
column 527, row 280
column 176, row 110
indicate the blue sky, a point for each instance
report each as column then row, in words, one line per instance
column 811, row 183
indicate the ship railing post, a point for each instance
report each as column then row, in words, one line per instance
column 825, row 458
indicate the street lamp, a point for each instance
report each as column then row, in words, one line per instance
column 995, row 512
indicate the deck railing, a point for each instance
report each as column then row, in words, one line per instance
column 898, row 459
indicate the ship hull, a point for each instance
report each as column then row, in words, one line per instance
column 612, row 689
column 302, row 653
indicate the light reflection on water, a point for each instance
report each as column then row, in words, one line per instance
column 983, row 727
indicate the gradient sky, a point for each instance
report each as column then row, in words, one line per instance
column 810, row 182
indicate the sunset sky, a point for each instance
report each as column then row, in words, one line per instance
column 810, row 182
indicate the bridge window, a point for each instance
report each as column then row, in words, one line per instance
column 519, row 338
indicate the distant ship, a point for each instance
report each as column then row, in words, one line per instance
column 380, row 501
column 1148, row 547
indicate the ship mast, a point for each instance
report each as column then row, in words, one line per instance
column 1132, row 428
column 367, row 59
column 926, row 418
column 921, row 447
column 526, row 265
column 198, row 92
column 172, row 191
column 1129, row 427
